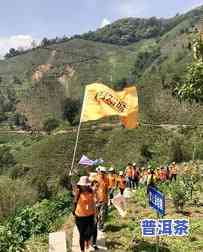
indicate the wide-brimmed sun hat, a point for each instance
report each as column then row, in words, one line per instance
column 102, row 169
column 111, row 169
column 134, row 164
column 84, row 181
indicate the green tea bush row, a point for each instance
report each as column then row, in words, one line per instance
column 33, row 221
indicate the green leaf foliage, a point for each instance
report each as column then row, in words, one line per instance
column 32, row 221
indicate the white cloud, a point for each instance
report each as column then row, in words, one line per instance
column 17, row 41
column 104, row 22
column 129, row 8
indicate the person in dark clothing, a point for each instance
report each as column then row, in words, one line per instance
column 173, row 171
column 95, row 230
column 151, row 180
column 135, row 175
column 128, row 174
column 85, row 227
column 168, row 173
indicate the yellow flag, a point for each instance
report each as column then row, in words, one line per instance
column 101, row 101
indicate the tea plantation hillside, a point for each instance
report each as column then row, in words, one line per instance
column 38, row 83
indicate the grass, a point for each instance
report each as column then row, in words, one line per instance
column 39, row 243
column 124, row 234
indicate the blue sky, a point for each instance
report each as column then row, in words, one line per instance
column 24, row 20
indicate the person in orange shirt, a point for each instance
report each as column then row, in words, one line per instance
column 121, row 182
column 173, row 171
column 102, row 197
column 129, row 173
column 162, row 175
column 84, row 211
column 111, row 183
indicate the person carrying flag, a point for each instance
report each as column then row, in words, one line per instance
column 84, row 211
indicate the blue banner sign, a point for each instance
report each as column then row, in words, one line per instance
column 157, row 200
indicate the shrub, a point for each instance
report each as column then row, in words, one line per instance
column 191, row 89
column 179, row 195
column 175, row 150
column 71, row 110
column 6, row 157
column 20, row 120
column 31, row 221
column 50, row 124
column 14, row 194
column 146, row 152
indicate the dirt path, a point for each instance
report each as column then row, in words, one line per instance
column 100, row 241
column 94, row 127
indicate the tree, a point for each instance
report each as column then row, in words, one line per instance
column 146, row 152
column 12, row 53
column 20, row 120
column 175, row 150
column 45, row 42
column 33, row 44
column 120, row 84
column 71, row 110
column 192, row 87
column 16, row 80
column 6, row 157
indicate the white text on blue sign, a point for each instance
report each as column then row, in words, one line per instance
column 164, row 227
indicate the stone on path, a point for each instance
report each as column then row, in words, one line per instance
column 100, row 241
column 57, row 242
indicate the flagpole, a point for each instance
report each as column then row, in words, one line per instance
column 78, row 133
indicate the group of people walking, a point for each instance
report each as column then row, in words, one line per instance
column 93, row 195
column 94, row 192
column 136, row 176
